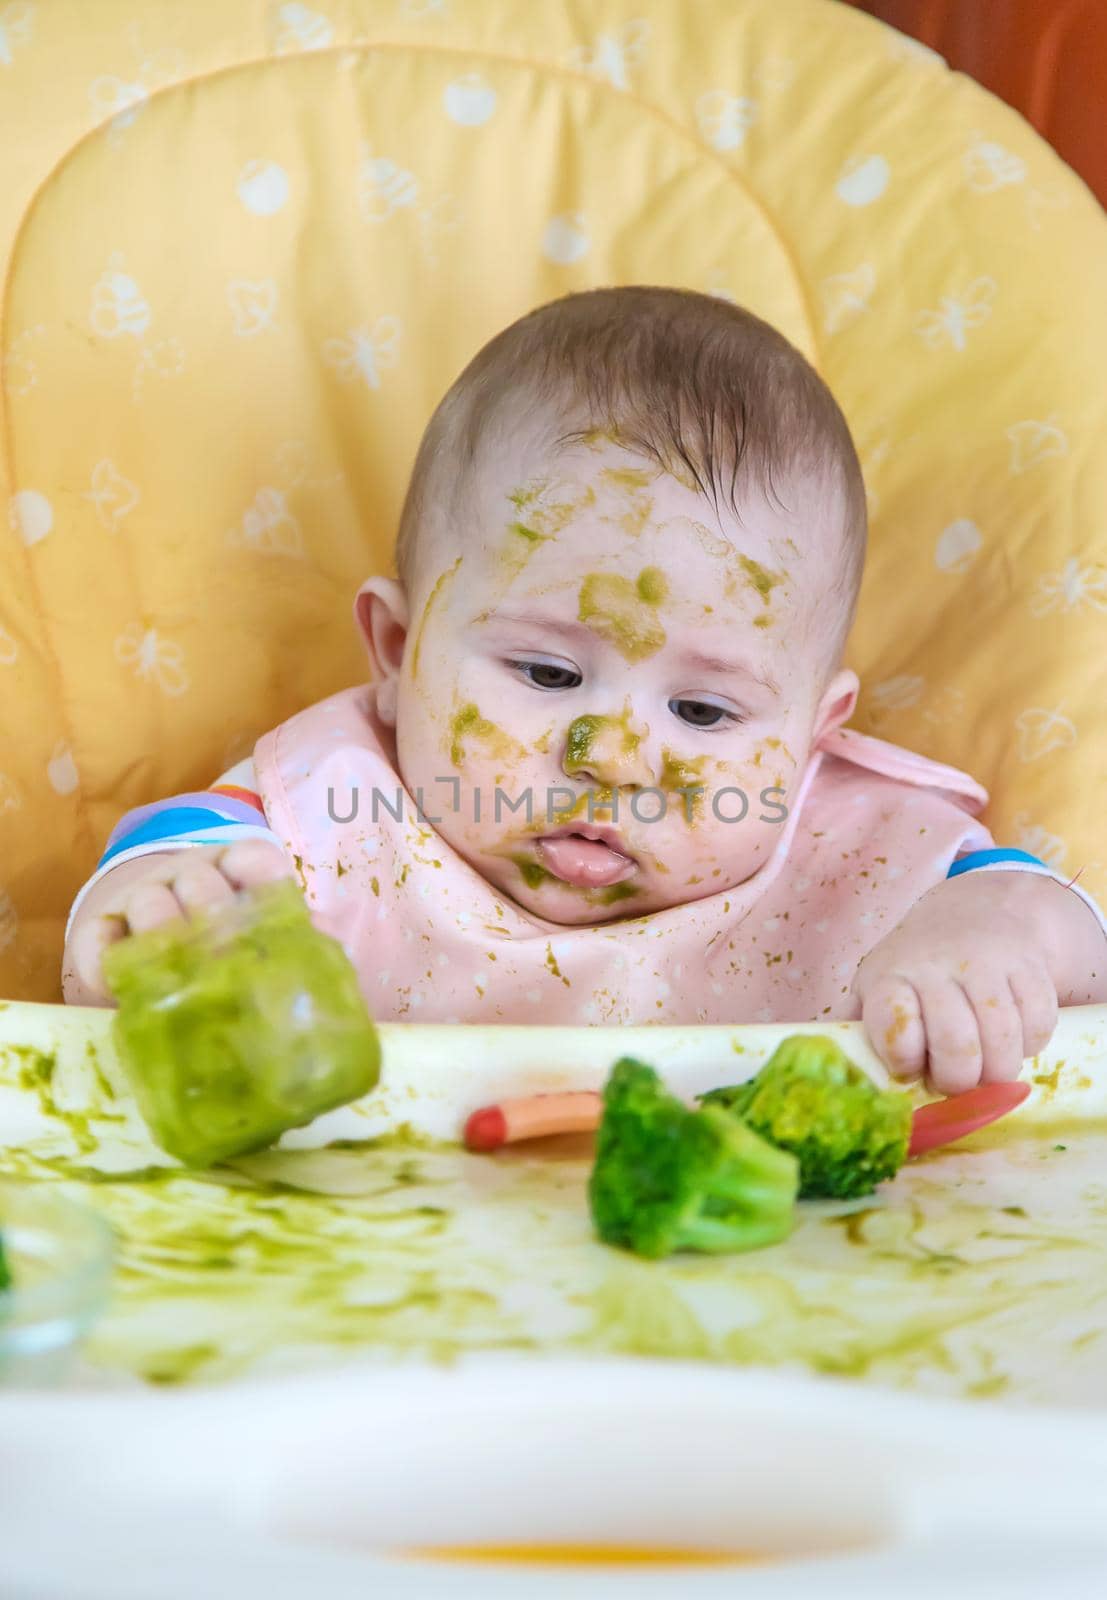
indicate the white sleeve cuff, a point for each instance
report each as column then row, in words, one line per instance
column 231, row 834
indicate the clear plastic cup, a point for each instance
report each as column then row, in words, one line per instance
column 59, row 1260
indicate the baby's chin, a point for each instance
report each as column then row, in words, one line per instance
column 570, row 907
column 578, row 908
column 542, row 895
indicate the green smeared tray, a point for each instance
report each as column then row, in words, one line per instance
column 980, row 1271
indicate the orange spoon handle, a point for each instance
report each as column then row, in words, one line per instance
column 538, row 1116
column 534, row 1116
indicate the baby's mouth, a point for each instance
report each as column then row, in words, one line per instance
column 586, row 857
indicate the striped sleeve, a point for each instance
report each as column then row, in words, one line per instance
column 230, row 811
column 1000, row 859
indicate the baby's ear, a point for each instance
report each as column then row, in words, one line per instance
column 837, row 704
column 382, row 616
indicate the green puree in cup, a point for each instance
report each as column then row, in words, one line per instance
column 237, row 1025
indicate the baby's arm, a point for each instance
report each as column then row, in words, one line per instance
column 969, row 983
column 168, row 860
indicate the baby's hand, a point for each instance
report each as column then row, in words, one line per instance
column 967, row 985
column 149, row 890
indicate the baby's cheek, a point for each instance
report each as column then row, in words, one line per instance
column 736, row 822
column 753, row 792
column 423, row 750
column 418, row 742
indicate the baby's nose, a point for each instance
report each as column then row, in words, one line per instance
column 608, row 750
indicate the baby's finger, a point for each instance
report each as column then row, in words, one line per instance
column 1035, row 995
column 84, row 959
column 954, row 1058
column 254, row 861
column 999, row 1025
column 893, row 1020
column 200, row 886
column 149, row 905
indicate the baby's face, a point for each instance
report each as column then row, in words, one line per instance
column 608, row 696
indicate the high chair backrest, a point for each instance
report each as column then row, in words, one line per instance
column 247, row 247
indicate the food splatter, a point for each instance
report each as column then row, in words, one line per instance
column 760, row 577
column 432, row 600
column 603, row 740
column 684, row 773
column 625, row 611
column 964, row 1277
column 468, row 726
column 540, row 509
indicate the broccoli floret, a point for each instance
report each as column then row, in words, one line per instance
column 670, row 1178
column 809, row 1098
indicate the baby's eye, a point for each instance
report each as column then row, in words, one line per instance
column 700, row 713
column 547, row 675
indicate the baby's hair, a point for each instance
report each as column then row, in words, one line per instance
column 704, row 388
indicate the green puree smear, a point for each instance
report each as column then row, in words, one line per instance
column 625, row 613
column 681, row 772
column 237, row 1026
column 761, row 578
column 290, row 1259
column 580, row 739
column 442, row 580
column 978, row 1271
column 467, row 725
column 401, row 1247
column 35, row 1072
column 605, row 738
column 613, row 893
column 534, row 875
column 541, row 509
column 532, row 872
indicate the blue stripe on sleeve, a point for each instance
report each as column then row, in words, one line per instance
column 992, row 858
column 169, row 824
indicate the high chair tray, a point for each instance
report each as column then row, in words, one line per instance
column 429, row 1348
column 981, row 1271
column 471, row 1482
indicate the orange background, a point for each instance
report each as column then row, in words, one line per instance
column 1047, row 58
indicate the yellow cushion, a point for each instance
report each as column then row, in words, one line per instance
column 248, row 246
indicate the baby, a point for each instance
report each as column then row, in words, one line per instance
column 601, row 773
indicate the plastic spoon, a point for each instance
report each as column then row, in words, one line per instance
column 538, row 1116
column 533, row 1116
column 944, row 1121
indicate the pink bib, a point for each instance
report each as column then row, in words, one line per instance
column 871, row 829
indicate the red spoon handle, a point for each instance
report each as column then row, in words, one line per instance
column 534, row 1116
column 946, row 1120
column 537, row 1116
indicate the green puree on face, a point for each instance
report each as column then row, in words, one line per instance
column 239, row 1025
